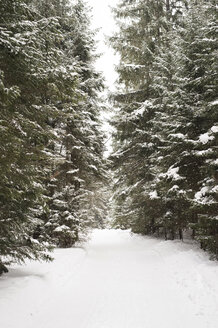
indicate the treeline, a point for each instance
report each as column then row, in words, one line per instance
column 52, row 171
column 166, row 140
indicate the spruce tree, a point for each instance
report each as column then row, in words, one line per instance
column 166, row 143
column 79, row 172
column 52, row 166
column 143, row 26
column 24, row 134
column 200, row 67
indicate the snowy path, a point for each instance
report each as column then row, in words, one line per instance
column 117, row 281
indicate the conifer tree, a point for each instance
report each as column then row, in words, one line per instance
column 52, row 146
column 201, row 70
column 23, row 135
column 138, row 43
column 79, row 171
column 166, row 144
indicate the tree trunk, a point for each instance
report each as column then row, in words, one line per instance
column 3, row 268
column 193, row 233
column 173, row 234
column 168, row 5
column 153, row 226
column 165, row 233
column 180, row 234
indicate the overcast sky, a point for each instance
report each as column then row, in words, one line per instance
column 103, row 18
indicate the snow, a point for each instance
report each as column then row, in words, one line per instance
column 177, row 189
column 178, row 135
column 117, row 280
column 172, row 173
column 204, row 138
column 73, row 171
column 201, row 193
column 202, row 198
column 204, row 152
column 140, row 111
column 214, row 129
column 215, row 189
column 215, row 102
column 174, row 188
column 153, row 194
column 61, row 228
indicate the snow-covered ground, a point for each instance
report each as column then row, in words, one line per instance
column 117, row 280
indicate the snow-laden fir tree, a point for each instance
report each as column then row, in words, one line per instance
column 79, row 172
column 143, row 27
column 166, row 143
column 23, row 134
column 176, row 122
column 201, row 69
column 52, row 147
column 170, row 125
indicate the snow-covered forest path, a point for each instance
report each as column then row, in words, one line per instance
column 118, row 280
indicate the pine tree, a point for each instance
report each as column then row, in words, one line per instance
column 138, row 43
column 166, row 143
column 79, row 172
column 52, row 166
column 202, row 87
column 87, row 154
column 23, row 135
column 170, row 125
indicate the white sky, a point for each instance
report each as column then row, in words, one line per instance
column 103, row 18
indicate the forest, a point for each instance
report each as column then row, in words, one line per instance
column 161, row 178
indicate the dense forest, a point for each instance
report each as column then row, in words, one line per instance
column 53, row 173
column 166, row 141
